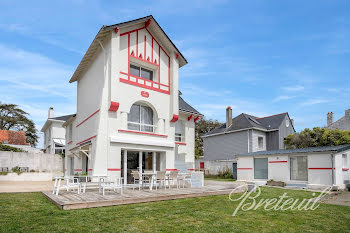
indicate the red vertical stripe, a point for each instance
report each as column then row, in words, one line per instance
column 145, row 57
column 128, row 56
column 152, row 50
column 169, row 73
column 137, row 44
column 159, row 64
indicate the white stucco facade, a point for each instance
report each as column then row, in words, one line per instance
column 100, row 140
column 322, row 168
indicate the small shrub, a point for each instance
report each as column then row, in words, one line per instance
column 10, row 148
column 32, row 170
column 16, row 170
column 225, row 173
column 3, row 173
column 83, row 174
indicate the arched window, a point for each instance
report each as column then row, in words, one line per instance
column 140, row 118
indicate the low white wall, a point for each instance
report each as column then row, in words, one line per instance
column 36, row 161
column 28, row 176
column 214, row 166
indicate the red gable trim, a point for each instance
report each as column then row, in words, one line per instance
column 86, row 140
column 87, row 118
column 175, row 118
column 114, row 106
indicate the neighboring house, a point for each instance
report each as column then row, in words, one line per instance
column 243, row 134
column 17, row 139
column 129, row 112
column 342, row 124
column 54, row 133
column 314, row 167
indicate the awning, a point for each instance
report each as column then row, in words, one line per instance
column 60, row 142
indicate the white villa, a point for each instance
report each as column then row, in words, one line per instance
column 54, row 133
column 130, row 114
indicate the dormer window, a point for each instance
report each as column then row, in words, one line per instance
column 141, row 72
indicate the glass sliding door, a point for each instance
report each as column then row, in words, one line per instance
column 261, row 168
column 298, row 168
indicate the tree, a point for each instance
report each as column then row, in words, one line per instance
column 317, row 137
column 14, row 118
column 203, row 126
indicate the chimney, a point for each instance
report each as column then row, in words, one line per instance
column 50, row 115
column 228, row 116
column 347, row 113
column 330, row 118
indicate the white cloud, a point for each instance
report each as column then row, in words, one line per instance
column 310, row 102
column 294, row 88
column 283, row 97
column 35, row 82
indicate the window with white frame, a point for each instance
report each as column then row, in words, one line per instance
column 141, row 72
column 140, row 118
column 261, row 142
column 179, row 131
column 345, row 161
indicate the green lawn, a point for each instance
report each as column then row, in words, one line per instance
column 31, row 212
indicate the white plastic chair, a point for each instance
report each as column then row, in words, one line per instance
column 160, row 179
column 114, row 185
column 69, row 183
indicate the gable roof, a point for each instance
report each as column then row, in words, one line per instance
column 335, row 149
column 105, row 30
column 60, row 118
column 342, row 123
column 245, row 121
column 185, row 107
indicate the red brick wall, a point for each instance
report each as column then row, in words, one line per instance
column 13, row 137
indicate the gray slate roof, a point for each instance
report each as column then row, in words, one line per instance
column 245, row 121
column 184, row 106
column 336, row 149
column 62, row 118
column 341, row 124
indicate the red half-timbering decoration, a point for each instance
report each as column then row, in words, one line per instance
column 177, row 55
column 145, row 94
column 196, row 119
column 175, row 118
column 143, row 46
column 116, row 30
column 190, row 117
column 114, row 106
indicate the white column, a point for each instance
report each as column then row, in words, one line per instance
column 154, row 161
column 125, row 166
column 140, row 161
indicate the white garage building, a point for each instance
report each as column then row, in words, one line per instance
column 314, row 167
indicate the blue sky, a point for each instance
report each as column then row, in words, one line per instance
column 259, row 57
